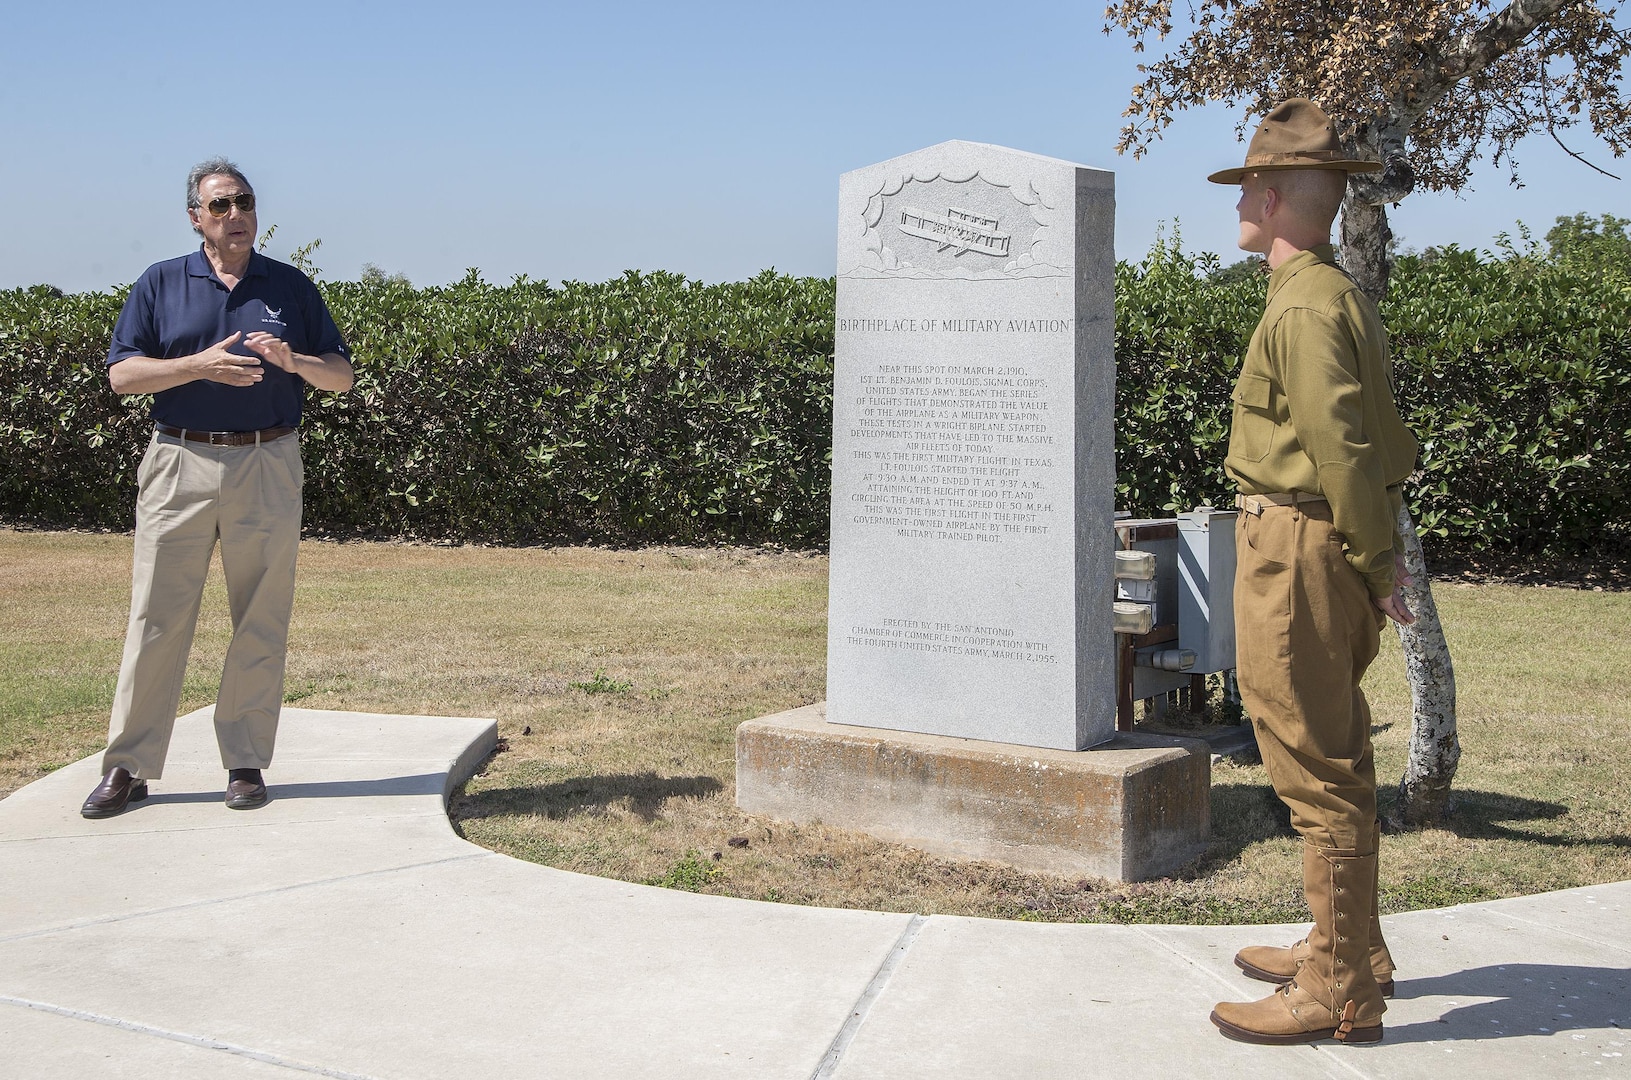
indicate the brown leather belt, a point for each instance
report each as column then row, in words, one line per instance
column 226, row 438
column 1254, row 504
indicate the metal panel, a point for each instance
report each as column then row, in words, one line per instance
column 1206, row 596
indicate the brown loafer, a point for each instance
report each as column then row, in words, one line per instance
column 114, row 794
column 245, row 789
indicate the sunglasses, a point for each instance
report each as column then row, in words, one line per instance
column 245, row 203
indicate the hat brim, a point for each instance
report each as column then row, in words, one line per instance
column 1234, row 176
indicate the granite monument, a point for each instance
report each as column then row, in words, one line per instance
column 973, row 453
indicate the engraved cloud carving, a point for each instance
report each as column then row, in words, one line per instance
column 961, row 224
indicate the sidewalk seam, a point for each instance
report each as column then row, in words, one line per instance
column 863, row 1004
column 106, row 920
column 1327, row 1062
column 181, row 1037
column 1217, row 978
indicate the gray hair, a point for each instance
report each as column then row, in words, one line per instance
column 216, row 166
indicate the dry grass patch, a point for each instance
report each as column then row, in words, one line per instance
column 618, row 679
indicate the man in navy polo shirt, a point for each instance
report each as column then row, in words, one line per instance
column 226, row 341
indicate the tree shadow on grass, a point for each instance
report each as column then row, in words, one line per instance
column 1244, row 814
column 1489, row 815
column 643, row 794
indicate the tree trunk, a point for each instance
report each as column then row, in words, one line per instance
column 1365, row 236
column 1435, row 751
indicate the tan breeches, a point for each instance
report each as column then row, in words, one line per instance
column 1305, row 631
column 190, row 496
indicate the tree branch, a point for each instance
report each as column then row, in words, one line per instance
column 1551, row 125
column 1576, row 156
column 1476, row 50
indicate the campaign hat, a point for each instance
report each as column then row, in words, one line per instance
column 1296, row 134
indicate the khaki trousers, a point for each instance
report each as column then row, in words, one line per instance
column 1305, row 631
column 191, row 495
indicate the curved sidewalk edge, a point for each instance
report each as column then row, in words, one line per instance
column 345, row 930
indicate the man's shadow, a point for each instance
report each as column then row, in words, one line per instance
column 1526, row 1000
column 417, row 784
column 642, row 793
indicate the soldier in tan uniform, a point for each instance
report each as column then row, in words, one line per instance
column 1319, row 453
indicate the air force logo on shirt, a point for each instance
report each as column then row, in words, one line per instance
column 274, row 316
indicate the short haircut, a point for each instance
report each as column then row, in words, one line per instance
column 216, row 166
column 1317, row 193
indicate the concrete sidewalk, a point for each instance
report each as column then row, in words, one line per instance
column 345, row 931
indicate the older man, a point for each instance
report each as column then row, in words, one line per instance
column 1319, row 453
column 226, row 341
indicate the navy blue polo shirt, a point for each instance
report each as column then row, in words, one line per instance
column 179, row 307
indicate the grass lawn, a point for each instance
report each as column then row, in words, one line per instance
column 618, row 679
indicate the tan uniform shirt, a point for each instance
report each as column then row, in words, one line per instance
column 1314, row 409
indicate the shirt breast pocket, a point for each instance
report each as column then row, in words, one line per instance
column 1252, row 434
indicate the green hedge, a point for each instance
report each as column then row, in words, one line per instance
column 1516, row 376
column 69, row 443
column 652, row 409
column 1514, row 373
column 643, row 409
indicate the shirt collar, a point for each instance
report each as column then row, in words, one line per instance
column 198, row 264
column 1319, row 253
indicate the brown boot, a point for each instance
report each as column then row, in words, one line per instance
column 1381, row 961
column 1334, row 993
column 1279, row 963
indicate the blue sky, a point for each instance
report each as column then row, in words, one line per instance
column 577, row 141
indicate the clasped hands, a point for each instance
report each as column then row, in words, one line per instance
column 217, row 364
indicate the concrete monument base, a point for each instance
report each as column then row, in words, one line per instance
column 1134, row 808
